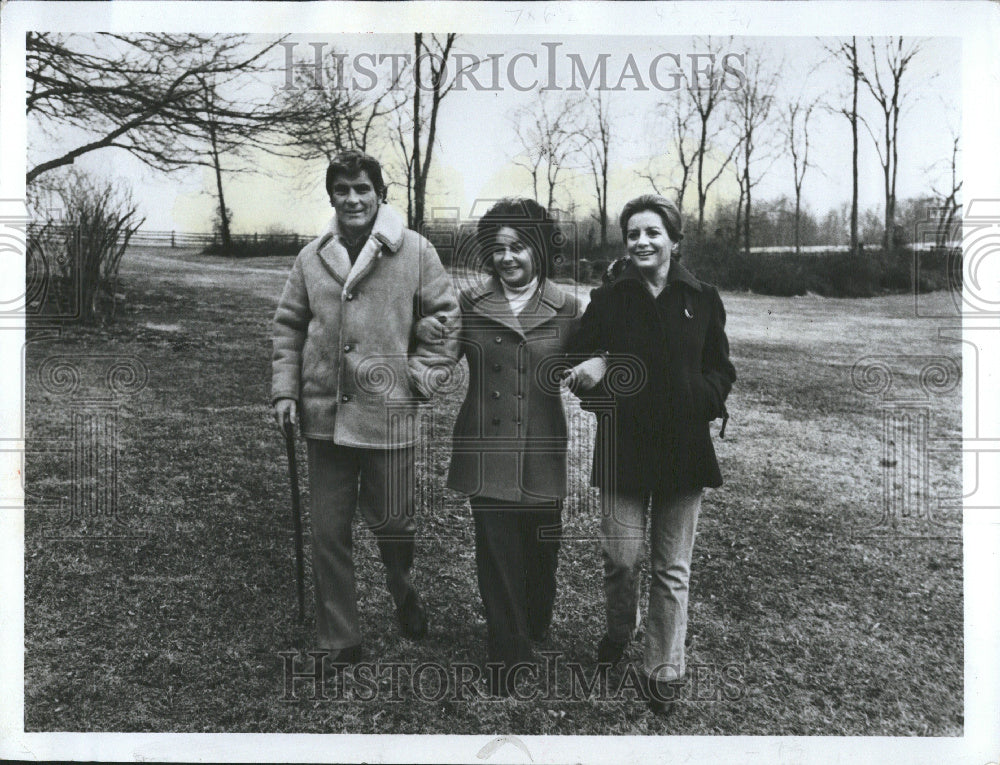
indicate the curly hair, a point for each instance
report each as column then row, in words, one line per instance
column 534, row 226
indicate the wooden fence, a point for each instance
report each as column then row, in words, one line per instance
column 184, row 239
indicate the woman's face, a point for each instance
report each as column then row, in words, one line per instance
column 646, row 240
column 513, row 259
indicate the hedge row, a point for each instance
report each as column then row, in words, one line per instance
column 832, row 274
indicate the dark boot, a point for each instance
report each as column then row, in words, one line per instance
column 412, row 617
column 610, row 651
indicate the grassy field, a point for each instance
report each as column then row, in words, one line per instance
column 170, row 614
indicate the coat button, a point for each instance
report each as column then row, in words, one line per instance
column 496, row 420
column 495, row 394
column 498, row 339
column 345, row 398
column 347, row 347
column 497, row 367
column 520, row 395
column 349, row 296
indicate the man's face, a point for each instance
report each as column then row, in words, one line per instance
column 355, row 201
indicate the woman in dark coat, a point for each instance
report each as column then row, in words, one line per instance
column 509, row 450
column 658, row 373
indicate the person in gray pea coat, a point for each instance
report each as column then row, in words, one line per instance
column 509, row 446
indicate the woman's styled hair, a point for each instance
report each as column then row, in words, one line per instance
column 533, row 225
column 353, row 162
column 660, row 205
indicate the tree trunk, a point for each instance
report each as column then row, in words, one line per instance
column 604, row 209
column 227, row 241
column 854, row 151
column 888, row 216
column 798, row 208
column 739, row 214
column 418, row 196
column 746, row 223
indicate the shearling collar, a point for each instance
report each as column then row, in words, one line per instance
column 386, row 238
column 677, row 273
column 388, row 228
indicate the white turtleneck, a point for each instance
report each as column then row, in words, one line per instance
column 518, row 297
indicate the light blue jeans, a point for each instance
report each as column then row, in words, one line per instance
column 673, row 521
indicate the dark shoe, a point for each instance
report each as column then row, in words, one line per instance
column 539, row 636
column 662, row 695
column 611, row 651
column 661, row 708
column 412, row 618
column 352, row 654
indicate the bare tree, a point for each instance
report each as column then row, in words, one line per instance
column 847, row 53
column 323, row 121
column 141, row 93
column 883, row 76
column 549, row 131
column 212, row 126
column 796, row 134
column 706, row 98
column 677, row 117
column 751, row 114
column 948, row 204
column 596, row 150
column 435, row 51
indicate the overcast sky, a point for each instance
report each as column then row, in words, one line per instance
column 476, row 140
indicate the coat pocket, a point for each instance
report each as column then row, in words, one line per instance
column 707, row 404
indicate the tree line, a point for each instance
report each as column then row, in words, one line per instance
column 196, row 100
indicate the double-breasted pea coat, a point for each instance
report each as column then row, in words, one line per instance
column 668, row 376
column 510, row 436
column 344, row 345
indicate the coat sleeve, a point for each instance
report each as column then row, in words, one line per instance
column 431, row 366
column 589, row 336
column 291, row 320
column 717, row 371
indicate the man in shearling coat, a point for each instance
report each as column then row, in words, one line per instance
column 348, row 365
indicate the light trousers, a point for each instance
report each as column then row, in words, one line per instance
column 379, row 483
column 673, row 521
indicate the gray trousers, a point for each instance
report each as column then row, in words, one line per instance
column 379, row 483
column 673, row 521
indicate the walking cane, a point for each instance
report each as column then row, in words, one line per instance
column 296, row 519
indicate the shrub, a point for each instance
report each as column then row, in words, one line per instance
column 258, row 246
column 75, row 256
column 830, row 274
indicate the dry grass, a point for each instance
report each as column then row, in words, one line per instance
column 833, row 622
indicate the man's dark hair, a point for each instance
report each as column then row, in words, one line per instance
column 534, row 227
column 353, row 162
